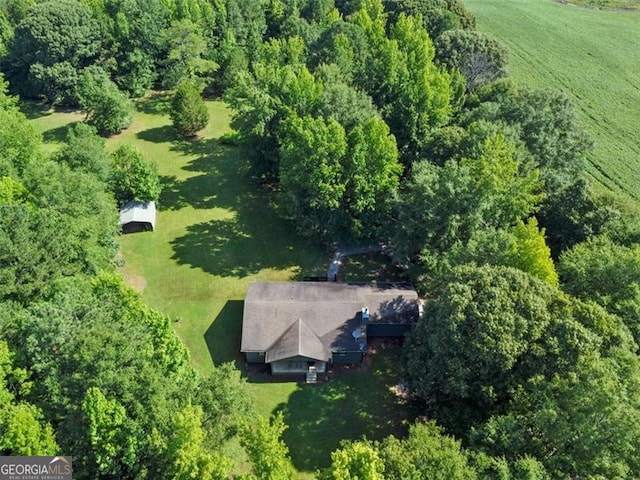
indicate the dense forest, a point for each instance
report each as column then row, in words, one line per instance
column 368, row 121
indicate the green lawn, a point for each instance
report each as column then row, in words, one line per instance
column 352, row 404
column 591, row 55
column 216, row 233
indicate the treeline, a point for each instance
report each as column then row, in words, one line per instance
column 370, row 121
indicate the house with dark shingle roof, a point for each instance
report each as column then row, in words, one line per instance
column 292, row 326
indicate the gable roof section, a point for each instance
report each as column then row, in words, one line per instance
column 331, row 311
column 298, row 340
column 139, row 212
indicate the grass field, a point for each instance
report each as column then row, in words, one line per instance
column 216, row 233
column 594, row 57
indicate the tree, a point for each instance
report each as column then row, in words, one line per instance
column 188, row 110
column 22, row 428
column 85, row 151
column 19, row 142
column 225, row 403
column 109, row 431
column 133, row 41
column 372, row 171
column 522, row 246
column 186, row 54
column 547, row 126
column 564, row 420
column 490, row 330
column 398, row 72
column 107, row 108
column 278, row 85
column 531, row 254
column 12, row 192
column 6, row 33
column 355, row 461
column 187, row 451
column 441, row 207
column 481, row 59
column 88, row 227
column 599, row 270
column 338, row 99
column 34, row 251
column 267, row 452
column 133, row 177
column 427, row 453
column 437, row 16
column 127, row 353
column 52, row 44
column 311, row 173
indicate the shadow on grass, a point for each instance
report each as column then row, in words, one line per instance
column 58, row 134
column 35, row 109
column 164, row 134
column 223, row 335
column 158, row 103
column 353, row 404
column 251, row 237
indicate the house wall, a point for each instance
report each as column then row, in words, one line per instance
column 295, row 365
column 255, row 357
column 388, row 329
column 347, row 357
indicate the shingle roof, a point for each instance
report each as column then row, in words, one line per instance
column 139, row 212
column 298, row 339
column 328, row 311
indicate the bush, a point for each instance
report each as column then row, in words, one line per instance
column 188, row 110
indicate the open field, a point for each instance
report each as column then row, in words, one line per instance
column 591, row 55
column 215, row 234
column 608, row 4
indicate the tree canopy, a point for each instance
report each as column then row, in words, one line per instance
column 366, row 122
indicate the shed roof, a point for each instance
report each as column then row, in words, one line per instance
column 276, row 312
column 138, row 212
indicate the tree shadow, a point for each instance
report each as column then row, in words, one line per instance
column 164, row 134
column 157, row 103
column 35, row 109
column 251, row 237
column 223, row 335
column 58, row 134
column 351, row 405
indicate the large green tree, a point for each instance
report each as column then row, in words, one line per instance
column 599, row 270
column 443, row 206
column 85, row 151
column 312, row 178
column 488, row 331
column 186, row 58
column 480, row 58
column 427, row 453
column 107, row 108
column 355, row 461
column 133, row 177
column 19, row 142
column 51, row 45
column 583, row 424
column 268, row 454
column 398, row 72
column 23, row 430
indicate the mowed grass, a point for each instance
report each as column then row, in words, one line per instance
column 594, row 57
column 216, row 232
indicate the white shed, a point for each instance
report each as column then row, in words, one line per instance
column 138, row 216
